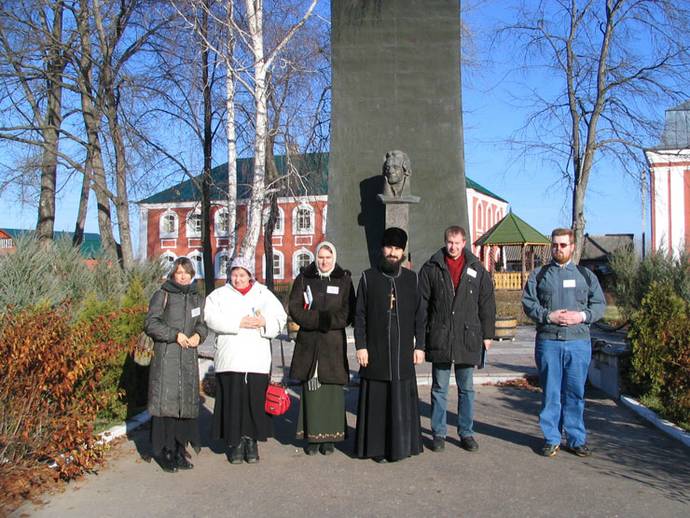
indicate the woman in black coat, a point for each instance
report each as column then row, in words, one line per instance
column 176, row 325
column 322, row 303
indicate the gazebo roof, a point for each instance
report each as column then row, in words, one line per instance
column 512, row 230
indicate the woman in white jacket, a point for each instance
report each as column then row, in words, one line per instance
column 245, row 315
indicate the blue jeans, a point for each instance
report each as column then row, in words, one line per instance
column 563, row 367
column 439, row 398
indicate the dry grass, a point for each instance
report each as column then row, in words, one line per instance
column 508, row 304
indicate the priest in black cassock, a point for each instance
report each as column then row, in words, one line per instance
column 387, row 320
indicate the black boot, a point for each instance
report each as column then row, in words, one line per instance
column 251, row 451
column 236, row 453
column 311, row 448
column 166, row 460
column 327, row 448
column 181, row 458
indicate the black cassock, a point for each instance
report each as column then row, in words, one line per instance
column 386, row 322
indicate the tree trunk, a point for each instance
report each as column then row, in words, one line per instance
column 255, row 209
column 209, row 271
column 230, row 132
column 78, row 237
column 94, row 158
column 121, row 196
column 54, row 70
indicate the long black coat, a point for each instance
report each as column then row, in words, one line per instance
column 456, row 323
column 321, row 337
column 389, row 336
column 174, row 372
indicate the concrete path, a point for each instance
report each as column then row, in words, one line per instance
column 635, row 471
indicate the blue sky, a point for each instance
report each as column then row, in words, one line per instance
column 491, row 117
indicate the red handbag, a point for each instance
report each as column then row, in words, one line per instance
column 277, row 399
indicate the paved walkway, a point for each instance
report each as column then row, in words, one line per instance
column 635, row 471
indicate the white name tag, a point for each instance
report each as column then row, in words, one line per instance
column 196, row 312
column 568, row 283
column 333, row 290
column 471, row 272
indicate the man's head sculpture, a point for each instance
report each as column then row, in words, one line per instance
column 396, row 172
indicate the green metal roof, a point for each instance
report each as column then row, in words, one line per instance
column 313, row 168
column 471, row 184
column 512, row 230
column 90, row 246
column 313, row 180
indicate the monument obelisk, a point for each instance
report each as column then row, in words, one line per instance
column 396, row 85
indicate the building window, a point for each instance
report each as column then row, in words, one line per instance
column 167, row 260
column 198, row 262
column 303, row 219
column 222, row 260
column 6, row 243
column 301, row 259
column 168, row 225
column 324, row 218
column 278, row 265
column 222, row 222
column 194, row 224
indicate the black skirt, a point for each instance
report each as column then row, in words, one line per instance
column 239, row 408
column 388, row 422
column 168, row 432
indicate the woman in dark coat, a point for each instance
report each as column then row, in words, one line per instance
column 322, row 303
column 175, row 323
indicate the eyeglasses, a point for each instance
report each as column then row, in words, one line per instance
column 560, row 245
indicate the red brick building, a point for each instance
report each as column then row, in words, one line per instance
column 170, row 220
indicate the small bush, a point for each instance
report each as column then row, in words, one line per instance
column 660, row 362
column 57, row 273
column 633, row 277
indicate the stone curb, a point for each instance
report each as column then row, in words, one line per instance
column 662, row 424
column 121, row 429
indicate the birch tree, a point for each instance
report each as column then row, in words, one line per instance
column 609, row 67
column 262, row 63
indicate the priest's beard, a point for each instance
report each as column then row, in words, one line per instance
column 390, row 265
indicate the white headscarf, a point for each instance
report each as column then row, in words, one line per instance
column 331, row 247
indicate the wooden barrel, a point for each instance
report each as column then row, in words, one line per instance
column 505, row 328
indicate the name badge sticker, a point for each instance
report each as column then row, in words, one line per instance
column 196, row 312
column 333, row 290
column 568, row 283
column 471, row 272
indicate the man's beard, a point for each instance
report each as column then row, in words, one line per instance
column 391, row 264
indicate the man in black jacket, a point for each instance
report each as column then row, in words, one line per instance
column 386, row 322
column 459, row 309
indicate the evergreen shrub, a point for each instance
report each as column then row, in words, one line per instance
column 660, row 359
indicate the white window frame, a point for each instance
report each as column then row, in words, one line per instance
column 295, row 262
column 165, row 257
column 281, row 265
column 295, row 213
column 216, row 222
column 198, row 265
column 191, row 232
column 324, row 220
column 221, row 273
column 162, row 233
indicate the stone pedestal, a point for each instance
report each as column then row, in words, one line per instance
column 398, row 211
